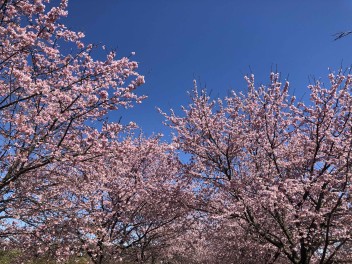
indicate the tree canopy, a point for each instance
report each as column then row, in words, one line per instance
column 268, row 178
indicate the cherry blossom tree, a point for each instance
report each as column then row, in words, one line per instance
column 279, row 170
column 216, row 240
column 269, row 178
column 53, row 98
column 137, row 207
column 126, row 206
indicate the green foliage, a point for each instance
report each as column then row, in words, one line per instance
column 7, row 257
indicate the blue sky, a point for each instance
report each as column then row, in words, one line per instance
column 215, row 42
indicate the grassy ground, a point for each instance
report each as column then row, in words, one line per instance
column 9, row 257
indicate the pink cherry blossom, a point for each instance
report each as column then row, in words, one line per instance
column 276, row 170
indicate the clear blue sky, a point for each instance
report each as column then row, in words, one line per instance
column 215, row 42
